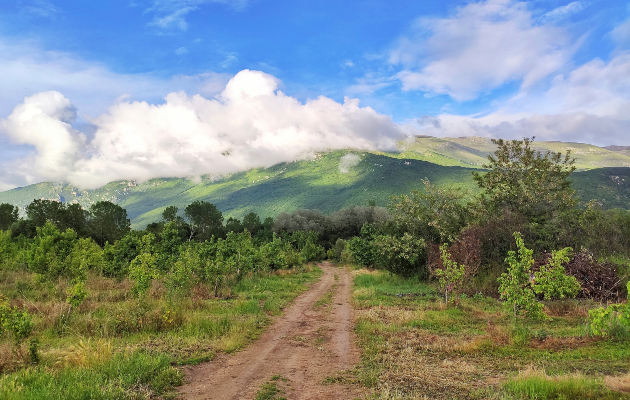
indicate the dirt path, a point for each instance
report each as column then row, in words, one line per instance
column 311, row 341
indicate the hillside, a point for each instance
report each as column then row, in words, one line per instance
column 472, row 152
column 331, row 181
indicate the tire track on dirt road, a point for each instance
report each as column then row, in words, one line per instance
column 305, row 345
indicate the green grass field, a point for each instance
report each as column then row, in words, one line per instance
column 414, row 345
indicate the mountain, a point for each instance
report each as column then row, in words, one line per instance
column 472, row 152
column 333, row 180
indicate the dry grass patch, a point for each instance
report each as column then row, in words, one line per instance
column 618, row 383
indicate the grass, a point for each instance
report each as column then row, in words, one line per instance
column 111, row 331
column 272, row 389
column 414, row 345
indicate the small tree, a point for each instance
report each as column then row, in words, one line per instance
column 552, row 282
column 516, row 286
column 519, row 285
column 452, row 274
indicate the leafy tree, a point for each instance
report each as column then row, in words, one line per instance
column 170, row 214
column 362, row 248
column 205, row 218
column 42, row 211
column 8, row 215
column 401, row 255
column 516, row 285
column 519, row 285
column 118, row 256
column 75, row 218
column 233, row 225
column 437, row 214
column 251, row 222
column 533, row 183
column 49, row 250
column 108, row 222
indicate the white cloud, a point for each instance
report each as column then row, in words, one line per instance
column 176, row 18
column 250, row 124
column 347, row 162
column 482, row 46
column 182, row 51
column 26, row 69
column 590, row 105
column 562, row 12
column 172, row 13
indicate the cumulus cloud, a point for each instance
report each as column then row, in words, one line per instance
column 480, row 47
column 250, row 124
column 591, row 105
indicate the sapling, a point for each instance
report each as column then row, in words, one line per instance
column 519, row 285
column 452, row 274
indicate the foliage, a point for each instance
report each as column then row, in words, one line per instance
column 8, row 215
column 18, row 323
column 520, row 285
column 143, row 268
column 452, row 274
column 437, row 214
column 604, row 320
column 205, row 219
column 401, row 255
column 534, row 183
column 108, row 222
column 516, row 286
column 362, row 248
column 551, row 280
column 49, row 250
column 77, row 294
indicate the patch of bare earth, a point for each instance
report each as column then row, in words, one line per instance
column 306, row 345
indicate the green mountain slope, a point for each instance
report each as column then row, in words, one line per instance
column 320, row 183
column 473, row 151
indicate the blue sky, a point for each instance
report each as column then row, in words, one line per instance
column 75, row 76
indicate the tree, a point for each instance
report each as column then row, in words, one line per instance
column 42, row 211
column 251, row 222
column 108, row 222
column 170, row 214
column 437, row 214
column 533, row 183
column 233, row 225
column 8, row 215
column 205, row 218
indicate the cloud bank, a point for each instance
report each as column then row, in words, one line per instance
column 250, row 124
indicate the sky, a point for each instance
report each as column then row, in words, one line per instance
column 92, row 92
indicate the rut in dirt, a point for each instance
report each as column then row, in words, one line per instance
column 313, row 340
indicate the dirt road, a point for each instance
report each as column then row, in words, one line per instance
column 311, row 341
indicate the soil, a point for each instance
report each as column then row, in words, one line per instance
column 313, row 340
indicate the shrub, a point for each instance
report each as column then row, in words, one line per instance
column 452, row 274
